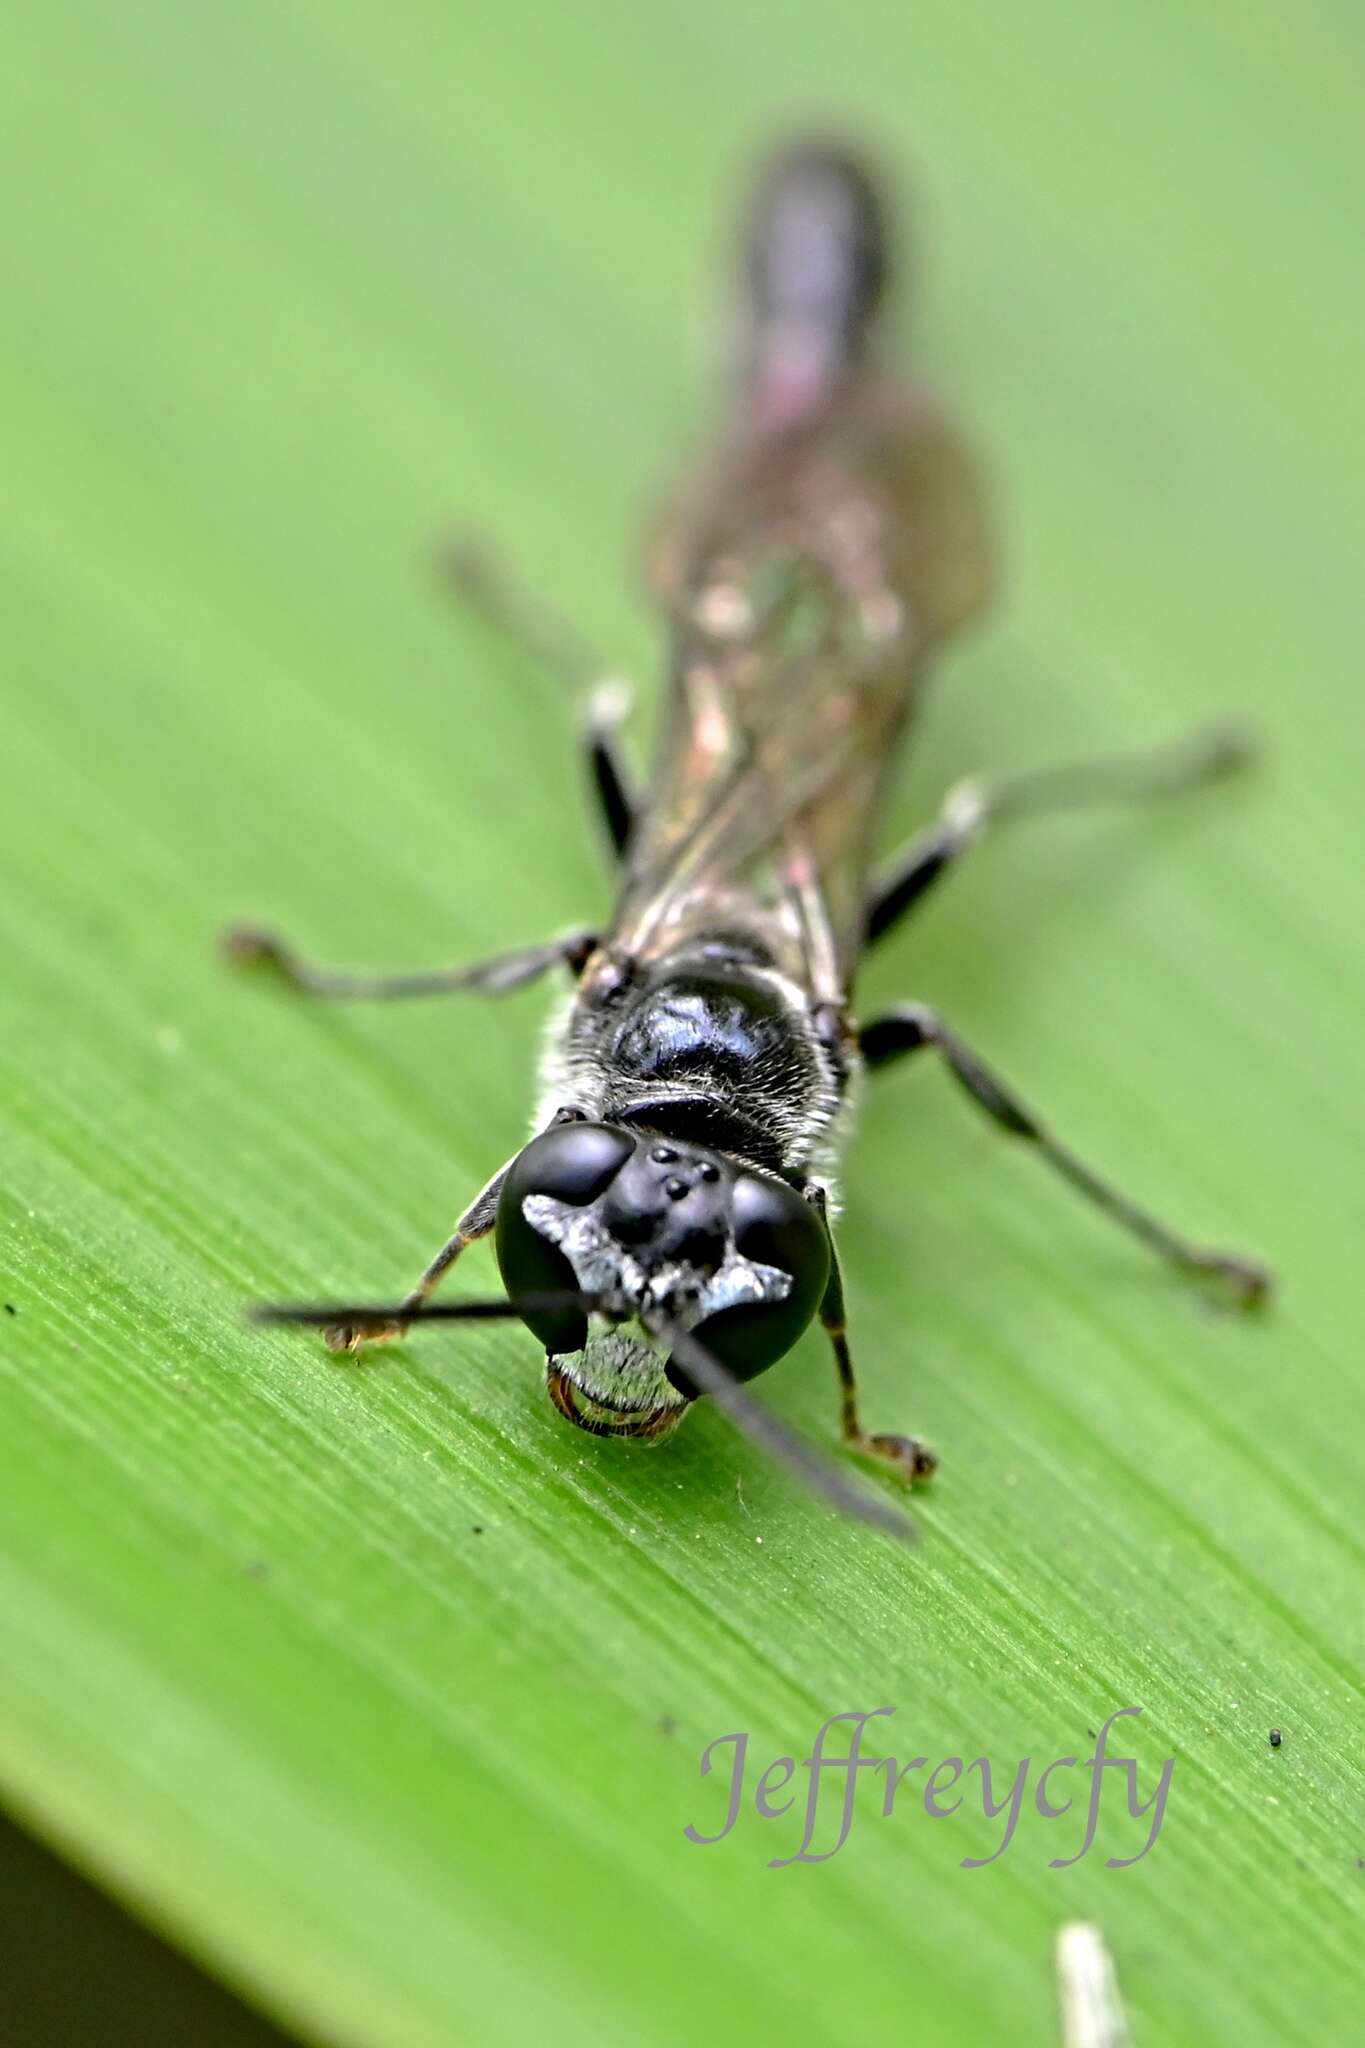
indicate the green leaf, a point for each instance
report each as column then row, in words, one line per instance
column 376, row 1687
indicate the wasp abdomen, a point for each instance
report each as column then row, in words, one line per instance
column 815, row 265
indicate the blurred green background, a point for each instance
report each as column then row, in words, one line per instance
column 378, row 1689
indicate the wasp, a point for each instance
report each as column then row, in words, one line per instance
column 666, row 1233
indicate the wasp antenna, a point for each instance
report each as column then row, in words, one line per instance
column 385, row 1315
column 763, row 1427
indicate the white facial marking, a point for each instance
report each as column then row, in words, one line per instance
column 625, row 1371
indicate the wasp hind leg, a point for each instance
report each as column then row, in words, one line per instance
column 476, row 575
column 976, row 806
column 909, row 1456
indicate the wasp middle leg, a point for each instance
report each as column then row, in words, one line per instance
column 913, row 1026
column 246, row 946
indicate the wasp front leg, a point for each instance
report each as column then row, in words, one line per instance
column 476, row 1222
column 909, row 1456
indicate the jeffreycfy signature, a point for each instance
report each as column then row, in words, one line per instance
column 820, row 1790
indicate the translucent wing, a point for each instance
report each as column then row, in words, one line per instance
column 761, row 805
column 809, row 582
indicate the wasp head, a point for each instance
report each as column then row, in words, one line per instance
column 664, row 1236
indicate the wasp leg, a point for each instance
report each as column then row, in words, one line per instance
column 477, row 1222
column 495, row 977
column 972, row 806
column 907, row 1455
column 480, row 580
column 912, row 1026
column 608, row 709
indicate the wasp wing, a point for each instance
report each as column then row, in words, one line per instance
column 760, row 817
column 806, row 581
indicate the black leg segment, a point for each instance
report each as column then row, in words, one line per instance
column 476, row 575
column 973, row 806
column 913, row 1026
column 498, row 976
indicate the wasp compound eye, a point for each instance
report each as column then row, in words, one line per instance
column 572, row 1163
column 773, row 1226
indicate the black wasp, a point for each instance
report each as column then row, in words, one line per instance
column 666, row 1232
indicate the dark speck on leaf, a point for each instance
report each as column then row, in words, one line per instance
column 667, row 1725
column 477, row 1529
column 1275, row 1738
column 10, row 1309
